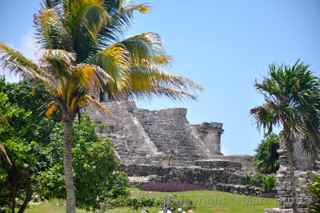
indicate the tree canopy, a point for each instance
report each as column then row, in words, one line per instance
column 267, row 158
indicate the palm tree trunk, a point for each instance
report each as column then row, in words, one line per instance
column 67, row 163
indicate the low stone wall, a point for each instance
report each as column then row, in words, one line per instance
column 213, row 179
column 219, row 164
column 192, row 175
column 277, row 210
column 239, row 189
column 246, row 161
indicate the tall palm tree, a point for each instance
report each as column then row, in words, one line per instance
column 83, row 56
column 93, row 29
column 292, row 103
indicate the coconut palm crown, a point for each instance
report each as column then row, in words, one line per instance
column 93, row 29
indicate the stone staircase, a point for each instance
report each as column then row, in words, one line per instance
column 131, row 142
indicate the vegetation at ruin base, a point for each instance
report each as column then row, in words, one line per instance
column 267, row 157
column 315, row 191
column 206, row 202
column 31, row 156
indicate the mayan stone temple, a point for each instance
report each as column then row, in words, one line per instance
column 152, row 137
column 164, row 144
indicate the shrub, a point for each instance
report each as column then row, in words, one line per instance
column 315, row 191
column 267, row 157
column 98, row 176
column 170, row 202
column 266, row 182
column 173, row 203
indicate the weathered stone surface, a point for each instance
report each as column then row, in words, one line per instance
column 293, row 192
column 131, row 142
column 162, row 137
column 210, row 137
column 246, row 161
column 277, row 210
column 192, row 175
column 219, row 164
column 239, row 189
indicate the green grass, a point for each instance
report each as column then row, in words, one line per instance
column 206, row 202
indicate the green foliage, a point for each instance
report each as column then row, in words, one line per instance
column 28, row 100
column 269, row 183
column 142, row 202
column 266, row 182
column 173, row 202
column 19, row 157
column 292, row 102
column 145, row 202
column 98, row 177
column 31, row 161
column 267, row 158
column 315, row 190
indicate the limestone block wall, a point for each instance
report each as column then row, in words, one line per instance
column 209, row 135
column 131, row 142
column 246, row 161
column 163, row 137
column 171, row 132
column 295, row 189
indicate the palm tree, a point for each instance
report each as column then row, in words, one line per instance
column 83, row 56
column 292, row 102
column 93, row 31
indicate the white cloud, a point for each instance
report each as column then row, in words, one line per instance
column 29, row 47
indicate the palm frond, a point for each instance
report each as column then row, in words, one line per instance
column 15, row 62
column 91, row 77
column 51, row 3
column 143, row 47
column 84, row 20
column 58, row 62
column 116, row 63
column 292, row 99
column 95, row 103
column 265, row 116
column 51, row 33
column 120, row 19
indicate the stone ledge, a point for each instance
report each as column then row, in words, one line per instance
column 277, row 210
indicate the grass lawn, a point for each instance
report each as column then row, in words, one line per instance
column 206, row 202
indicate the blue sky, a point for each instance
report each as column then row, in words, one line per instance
column 223, row 45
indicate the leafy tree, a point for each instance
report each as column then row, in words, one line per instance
column 292, row 102
column 98, row 177
column 267, row 157
column 82, row 55
column 315, row 191
column 28, row 166
column 18, row 156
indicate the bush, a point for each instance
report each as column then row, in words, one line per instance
column 267, row 157
column 266, row 182
column 137, row 203
column 98, row 176
column 269, row 183
column 315, row 191
column 170, row 202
